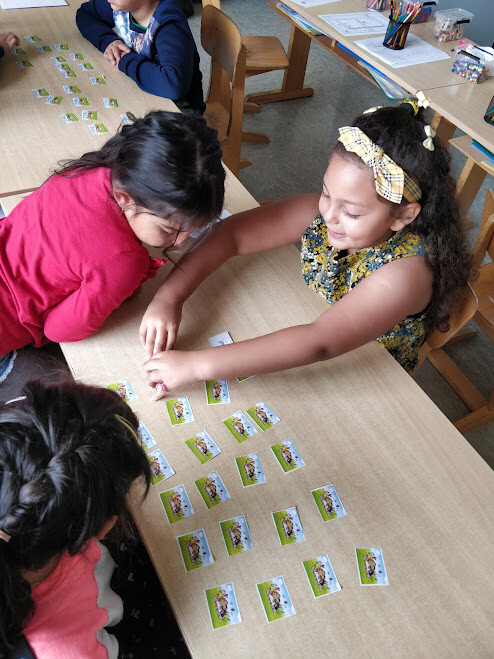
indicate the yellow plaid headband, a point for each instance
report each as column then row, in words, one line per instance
column 392, row 182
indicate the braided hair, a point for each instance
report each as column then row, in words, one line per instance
column 67, row 462
column 401, row 135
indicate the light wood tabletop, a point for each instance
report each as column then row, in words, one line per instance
column 37, row 137
column 410, row 483
column 412, row 78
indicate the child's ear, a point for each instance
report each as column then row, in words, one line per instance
column 107, row 528
column 123, row 199
column 405, row 215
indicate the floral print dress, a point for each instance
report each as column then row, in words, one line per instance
column 332, row 273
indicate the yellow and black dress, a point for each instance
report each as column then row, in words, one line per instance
column 332, row 273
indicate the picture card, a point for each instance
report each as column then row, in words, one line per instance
column 18, row 51
column 263, row 416
column 58, row 59
column 110, row 102
column 371, row 568
column 222, row 605
column 71, row 89
column 44, row 49
column 194, row 550
column 203, row 447
column 32, row 38
column 245, row 377
column 61, row 46
column 321, row 576
column 287, row 523
column 287, row 456
column 23, row 64
column 328, row 502
column 80, row 100
column 69, row 73
column 40, row 92
column 212, row 490
column 76, row 56
column 53, row 100
column 145, row 436
column 236, row 535
column 222, row 339
column 128, row 118
column 240, row 427
column 177, row 504
column 98, row 129
column 217, row 392
column 250, row 470
column 124, row 389
column 89, row 115
column 179, row 411
column 98, row 80
column 160, row 469
column 69, row 117
column 87, row 66
column 275, row 599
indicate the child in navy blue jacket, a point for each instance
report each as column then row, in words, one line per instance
column 152, row 43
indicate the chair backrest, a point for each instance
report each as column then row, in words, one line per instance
column 462, row 313
column 222, row 40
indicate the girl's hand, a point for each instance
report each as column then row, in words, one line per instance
column 115, row 51
column 8, row 40
column 159, row 325
column 173, row 369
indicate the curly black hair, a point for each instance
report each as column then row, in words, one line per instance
column 401, row 134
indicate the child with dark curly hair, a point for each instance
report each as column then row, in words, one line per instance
column 386, row 250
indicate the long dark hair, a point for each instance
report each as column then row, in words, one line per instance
column 439, row 224
column 168, row 162
column 67, row 462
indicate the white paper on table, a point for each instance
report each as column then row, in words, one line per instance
column 364, row 22
column 416, row 51
column 313, row 3
column 29, row 4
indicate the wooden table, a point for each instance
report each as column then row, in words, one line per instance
column 411, row 78
column 34, row 137
column 409, row 481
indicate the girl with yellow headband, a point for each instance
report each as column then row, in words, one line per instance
column 383, row 243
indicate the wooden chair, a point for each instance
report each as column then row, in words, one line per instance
column 221, row 39
column 263, row 54
column 478, row 305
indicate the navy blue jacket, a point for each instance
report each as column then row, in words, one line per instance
column 172, row 71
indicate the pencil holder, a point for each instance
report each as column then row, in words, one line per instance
column 396, row 34
column 377, row 5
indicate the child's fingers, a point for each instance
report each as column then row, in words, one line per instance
column 170, row 339
column 150, row 340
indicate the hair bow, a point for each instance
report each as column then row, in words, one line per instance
column 428, row 143
column 422, row 100
column 377, row 107
column 391, row 181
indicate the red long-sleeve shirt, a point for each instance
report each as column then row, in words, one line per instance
column 68, row 258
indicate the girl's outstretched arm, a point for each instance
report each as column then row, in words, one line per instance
column 256, row 230
column 376, row 304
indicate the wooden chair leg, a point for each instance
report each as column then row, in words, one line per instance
column 244, row 163
column 477, row 418
column 455, row 378
column 444, row 129
column 254, row 137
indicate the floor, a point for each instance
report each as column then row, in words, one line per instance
column 301, row 132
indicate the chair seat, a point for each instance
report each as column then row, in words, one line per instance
column 218, row 118
column 264, row 54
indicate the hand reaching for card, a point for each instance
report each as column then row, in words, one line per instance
column 159, row 325
column 172, row 368
column 115, row 51
column 8, row 40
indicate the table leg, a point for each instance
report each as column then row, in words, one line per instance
column 293, row 80
column 469, row 184
column 444, row 128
